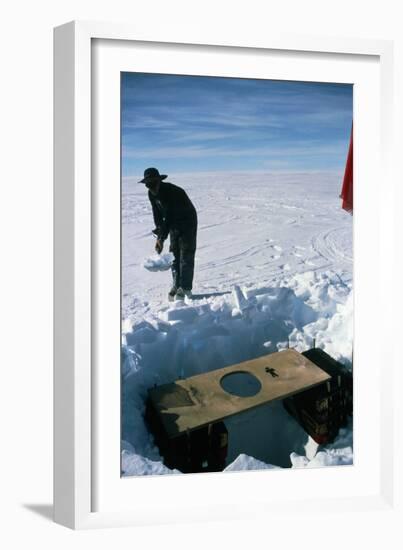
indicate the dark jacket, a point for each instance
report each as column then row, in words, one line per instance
column 172, row 210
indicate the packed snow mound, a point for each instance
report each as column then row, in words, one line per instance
column 135, row 465
column 245, row 462
column 158, row 262
column 332, row 457
column 338, row 453
column 178, row 341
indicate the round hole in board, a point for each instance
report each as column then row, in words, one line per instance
column 240, row 383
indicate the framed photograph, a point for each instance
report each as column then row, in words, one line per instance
column 219, row 263
column 253, row 277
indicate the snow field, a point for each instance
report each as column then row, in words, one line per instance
column 273, row 269
column 254, row 228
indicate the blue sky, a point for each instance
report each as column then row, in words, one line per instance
column 204, row 124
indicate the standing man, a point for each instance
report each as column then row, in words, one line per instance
column 174, row 215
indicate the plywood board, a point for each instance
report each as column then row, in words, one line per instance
column 197, row 401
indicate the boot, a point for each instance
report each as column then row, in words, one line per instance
column 181, row 294
column 172, row 293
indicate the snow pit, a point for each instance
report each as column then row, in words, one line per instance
column 180, row 341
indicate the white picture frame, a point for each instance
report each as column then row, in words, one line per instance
column 80, row 312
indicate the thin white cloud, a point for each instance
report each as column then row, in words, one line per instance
column 269, row 151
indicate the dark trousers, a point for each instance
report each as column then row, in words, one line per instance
column 183, row 247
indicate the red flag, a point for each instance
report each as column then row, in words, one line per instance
column 347, row 189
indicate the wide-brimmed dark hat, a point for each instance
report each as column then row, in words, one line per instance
column 152, row 174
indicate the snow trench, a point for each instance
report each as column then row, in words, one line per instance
column 212, row 332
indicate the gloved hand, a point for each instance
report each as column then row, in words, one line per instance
column 159, row 245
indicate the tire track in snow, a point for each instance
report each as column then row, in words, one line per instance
column 246, row 253
column 334, row 244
